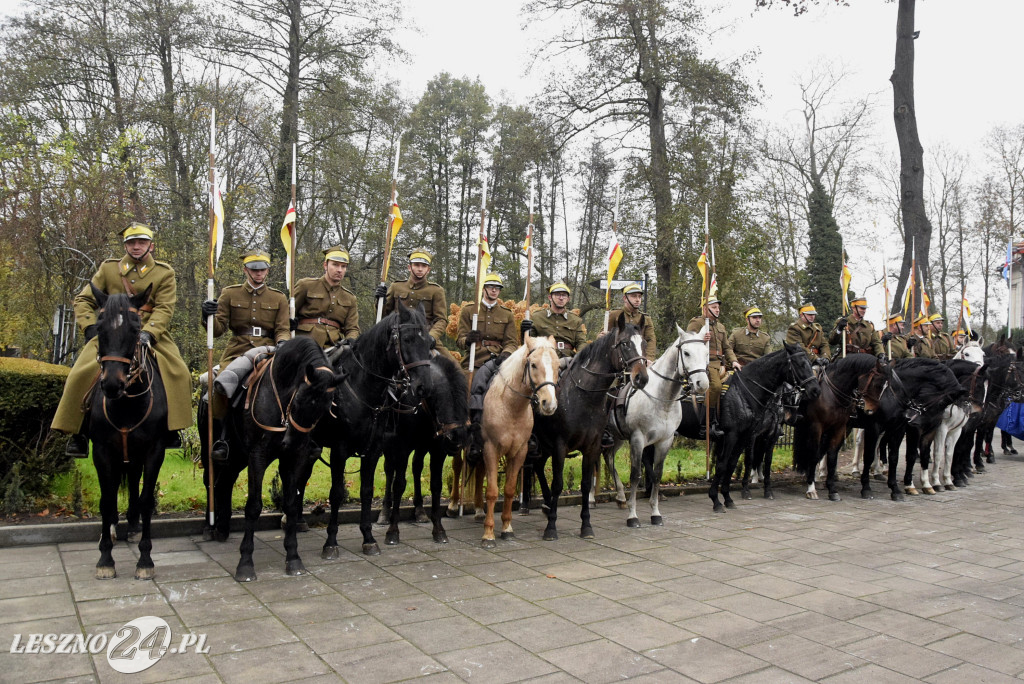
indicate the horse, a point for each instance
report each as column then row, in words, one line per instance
column 850, row 386
column 526, row 379
column 972, row 378
column 127, row 422
column 915, row 398
column 750, row 393
column 437, row 424
column 971, row 351
column 1000, row 378
column 649, row 417
column 389, row 360
column 1005, row 386
column 286, row 400
column 582, row 413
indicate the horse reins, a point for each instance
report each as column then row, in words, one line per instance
column 137, row 366
column 286, row 412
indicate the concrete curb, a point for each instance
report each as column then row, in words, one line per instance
column 89, row 530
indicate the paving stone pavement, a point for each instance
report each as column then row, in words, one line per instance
column 788, row 590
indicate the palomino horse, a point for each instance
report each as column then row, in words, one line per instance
column 849, row 386
column 285, row 402
column 127, row 423
column 753, row 391
column 526, row 379
column 650, row 416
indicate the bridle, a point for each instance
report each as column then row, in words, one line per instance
column 397, row 383
column 799, row 385
column 856, row 398
column 535, row 387
column 685, row 386
column 286, row 417
column 138, row 367
column 624, row 362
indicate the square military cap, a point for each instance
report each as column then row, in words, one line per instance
column 256, row 259
column 336, row 253
column 419, row 256
column 137, row 231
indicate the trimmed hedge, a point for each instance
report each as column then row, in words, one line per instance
column 29, row 394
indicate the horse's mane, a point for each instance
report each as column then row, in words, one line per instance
column 598, row 348
column 962, row 367
column 371, row 344
column 118, row 306
column 454, row 396
column 928, row 377
column 291, row 359
column 766, row 362
column 518, row 357
column 856, row 363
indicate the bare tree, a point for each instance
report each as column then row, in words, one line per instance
column 946, row 199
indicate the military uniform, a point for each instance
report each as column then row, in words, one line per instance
column 324, row 312
column 497, row 325
column 861, row 338
column 643, row 321
column 427, row 293
column 126, row 276
column 255, row 317
column 720, row 355
column 943, row 345
column 567, row 328
column 923, row 349
column 898, row 344
column 748, row 345
column 811, row 337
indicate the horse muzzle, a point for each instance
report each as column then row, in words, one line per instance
column 638, row 375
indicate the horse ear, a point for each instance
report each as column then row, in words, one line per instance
column 139, row 300
column 620, row 323
column 100, row 296
column 679, row 331
column 704, row 329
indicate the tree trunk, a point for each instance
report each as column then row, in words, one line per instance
column 917, row 229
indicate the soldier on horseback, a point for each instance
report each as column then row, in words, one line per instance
column 720, row 353
column 894, row 339
column 416, row 290
column 632, row 298
column 749, row 342
column 567, row 328
column 942, row 342
column 257, row 316
column 131, row 274
column 325, row 309
column 809, row 334
column 861, row 336
column 923, row 345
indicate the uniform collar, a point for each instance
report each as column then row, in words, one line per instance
column 489, row 306
column 327, row 283
column 252, row 290
column 143, row 265
column 748, row 331
column 564, row 314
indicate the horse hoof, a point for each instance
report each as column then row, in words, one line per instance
column 587, row 532
column 488, row 543
column 452, row 512
column 834, row 496
column 879, row 476
column 371, row 549
column 719, row 508
column 633, row 522
column 144, row 573
column 550, row 535
column 812, row 495
column 245, row 574
column 657, row 520
column 391, row 538
column 911, row 491
column 105, row 572
column 979, row 469
column 621, row 505
column 221, row 535
column 479, row 516
column 329, row 553
column 421, row 517
column 295, row 568
column 208, row 534
column 730, row 503
column 897, row 496
column 441, row 537
column 508, row 535
column 927, row 490
column 747, row 496
column 769, row 494
column 990, row 459
column 524, row 511
column 950, row 488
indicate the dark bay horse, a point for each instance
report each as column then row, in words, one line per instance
column 285, row 402
column 383, row 364
column 850, row 387
column 438, row 424
column 1005, row 385
column 127, row 423
column 582, row 412
column 751, row 393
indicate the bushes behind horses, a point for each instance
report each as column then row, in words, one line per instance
column 29, row 393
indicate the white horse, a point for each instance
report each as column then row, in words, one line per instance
column 972, row 352
column 652, row 414
column 939, row 473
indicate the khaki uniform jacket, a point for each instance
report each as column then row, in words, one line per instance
column 719, row 350
column 245, row 311
column 498, row 326
column 315, row 298
column 567, row 328
column 923, row 349
column 943, row 346
column 861, row 338
column 427, row 293
column 644, row 322
column 749, row 346
column 899, row 347
column 811, row 337
column 111, row 277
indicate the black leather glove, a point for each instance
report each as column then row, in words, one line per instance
column 911, row 342
column 146, row 338
column 433, row 342
column 886, row 336
column 841, row 324
column 823, row 361
column 526, row 326
column 293, row 324
column 501, row 358
column 209, row 308
column 474, row 337
column 381, row 292
column 883, row 358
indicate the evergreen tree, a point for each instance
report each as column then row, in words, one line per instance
column 824, row 257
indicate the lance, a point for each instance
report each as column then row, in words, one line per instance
column 710, row 268
column 842, row 275
column 389, row 227
column 1009, row 285
column 291, row 253
column 913, row 284
column 885, row 311
column 963, row 296
column 209, row 327
column 615, row 231
column 529, row 248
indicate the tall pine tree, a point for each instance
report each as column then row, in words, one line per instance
column 824, row 258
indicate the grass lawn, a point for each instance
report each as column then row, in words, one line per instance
column 182, row 487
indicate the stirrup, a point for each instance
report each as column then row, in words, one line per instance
column 78, row 446
column 220, row 451
column 606, row 440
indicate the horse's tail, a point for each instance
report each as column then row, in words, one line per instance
column 805, row 448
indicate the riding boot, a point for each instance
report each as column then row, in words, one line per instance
column 716, row 432
column 78, row 446
column 220, row 446
column 475, row 453
column 173, row 440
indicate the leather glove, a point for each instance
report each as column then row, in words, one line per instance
column 841, row 324
column 146, row 338
column 474, row 337
column 381, row 292
column 886, row 336
column 432, row 342
column 911, row 342
column 293, row 324
column 209, row 308
column 883, row 358
column 526, row 326
column 89, row 332
column 501, row 358
column 823, row 361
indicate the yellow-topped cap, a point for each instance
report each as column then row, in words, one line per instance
column 420, row 256
column 559, row 287
column 632, row 287
column 493, row 279
column 752, row 311
column 808, row 308
column 859, row 301
column 923, row 318
column 936, row 317
column 256, row 259
column 336, row 253
column 895, row 318
column 137, row 231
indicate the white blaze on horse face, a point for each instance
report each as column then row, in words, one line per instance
column 118, row 322
column 549, row 402
column 638, row 342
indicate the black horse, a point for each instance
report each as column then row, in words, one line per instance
column 918, row 393
column 751, row 392
column 582, row 413
column 286, row 400
column 438, row 425
column 389, row 360
column 851, row 387
column 1006, row 385
column 128, row 424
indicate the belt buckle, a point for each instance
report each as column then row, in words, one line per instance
column 257, row 331
column 560, row 345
